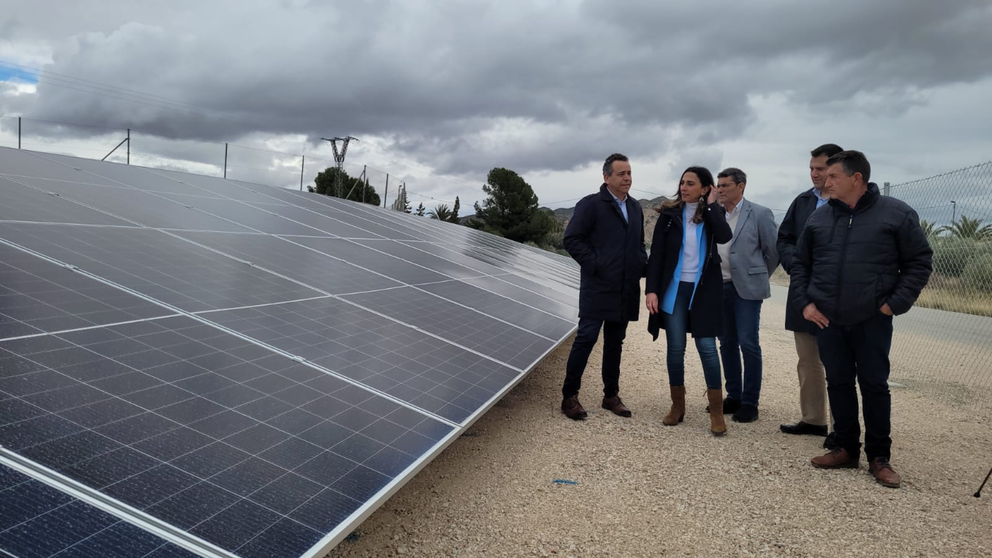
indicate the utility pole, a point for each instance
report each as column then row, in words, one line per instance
column 339, row 159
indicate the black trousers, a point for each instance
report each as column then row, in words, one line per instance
column 586, row 337
column 859, row 353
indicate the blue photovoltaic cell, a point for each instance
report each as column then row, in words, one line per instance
column 15, row 162
column 19, row 202
column 39, row 521
column 316, row 220
column 331, row 275
column 250, row 366
column 402, row 270
column 468, row 328
column 127, row 176
column 529, row 318
column 245, row 214
column 378, row 352
column 37, row 296
column 158, row 265
column 142, row 208
column 206, row 431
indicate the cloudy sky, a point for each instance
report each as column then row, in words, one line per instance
column 441, row 92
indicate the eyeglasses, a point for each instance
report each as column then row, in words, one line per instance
column 725, row 185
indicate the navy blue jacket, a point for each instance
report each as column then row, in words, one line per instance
column 788, row 235
column 611, row 254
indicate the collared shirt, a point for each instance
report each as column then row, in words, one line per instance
column 623, row 205
column 724, row 249
column 820, row 202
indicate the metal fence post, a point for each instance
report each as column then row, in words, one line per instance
column 18, row 132
column 225, row 160
column 886, row 189
column 129, row 146
column 303, row 166
column 385, row 194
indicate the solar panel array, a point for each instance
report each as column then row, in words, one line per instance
column 192, row 364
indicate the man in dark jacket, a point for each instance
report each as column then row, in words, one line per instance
column 812, row 379
column 860, row 260
column 606, row 237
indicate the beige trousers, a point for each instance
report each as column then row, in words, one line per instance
column 812, row 380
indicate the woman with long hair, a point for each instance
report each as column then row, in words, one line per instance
column 685, row 287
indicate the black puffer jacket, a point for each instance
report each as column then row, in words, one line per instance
column 850, row 262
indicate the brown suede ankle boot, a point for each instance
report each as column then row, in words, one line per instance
column 717, row 426
column 677, row 413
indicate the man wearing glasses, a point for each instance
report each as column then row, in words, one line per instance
column 747, row 262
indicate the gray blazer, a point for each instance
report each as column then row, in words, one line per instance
column 753, row 255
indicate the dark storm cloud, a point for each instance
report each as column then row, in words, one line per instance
column 472, row 85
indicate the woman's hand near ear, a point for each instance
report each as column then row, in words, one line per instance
column 712, row 197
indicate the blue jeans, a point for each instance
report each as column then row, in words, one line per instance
column 740, row 326
column 676, row 328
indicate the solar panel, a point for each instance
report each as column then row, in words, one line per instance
column 39, row 520
column 243, row 369
column 20, row 202
column 185, row 417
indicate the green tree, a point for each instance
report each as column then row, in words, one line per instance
column 420, row 210
column 440, row 213
column 967, row 227
column 510, row 208
column 931, row 229
column 353, row 189
column 454, row 212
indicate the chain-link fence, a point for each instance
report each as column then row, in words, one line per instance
column 238, row 162
column 944, row 345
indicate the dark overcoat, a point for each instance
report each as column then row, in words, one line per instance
column 611, row 254
column 788, row 235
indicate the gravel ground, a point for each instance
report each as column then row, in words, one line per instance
column 644, row 489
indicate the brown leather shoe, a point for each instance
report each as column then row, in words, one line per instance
column 616, row 406
column 572, row 408
column 836, row 459
column 883, row 473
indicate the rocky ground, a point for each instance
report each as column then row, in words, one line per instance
column 638, row 488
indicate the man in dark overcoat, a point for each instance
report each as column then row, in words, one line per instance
column 606, row 237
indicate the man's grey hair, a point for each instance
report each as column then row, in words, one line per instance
column 608, row 165
column 735, row 174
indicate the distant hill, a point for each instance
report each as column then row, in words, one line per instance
column 650, row 215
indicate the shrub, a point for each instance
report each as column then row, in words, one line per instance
column 977, row 275
column 951, row 255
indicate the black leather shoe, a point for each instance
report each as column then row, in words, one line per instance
column 747, row 413
column 730, row 406
column 802, row 428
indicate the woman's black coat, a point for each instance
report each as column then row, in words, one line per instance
column 706, row 314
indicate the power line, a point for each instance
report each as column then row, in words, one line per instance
column 114, row 91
